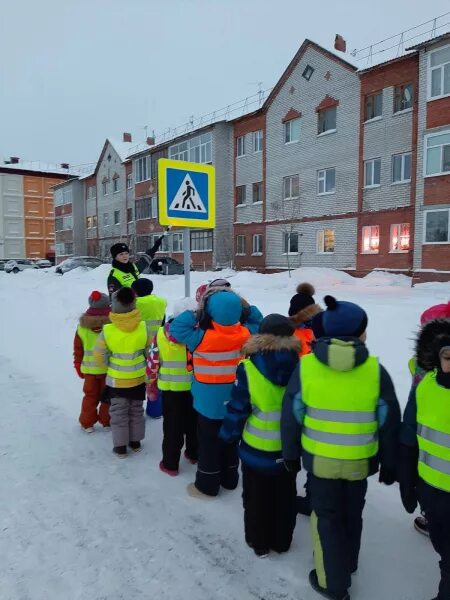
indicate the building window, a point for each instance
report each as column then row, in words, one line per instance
column 196, row 149
column 258, row 141
column 437, row 226
column 129, row 181
column 437, row 148
column 372, row 172
column 257, row 192
column 257, row 244
column 401, row 168
column 94, row 221
column 327, row 120
column 241, row 193
column 105, row 220
column 290, row 187
column 63, row 223
column 325, row 241
column 68, row 248
column 308, row 72
column 88, row 223
column 116, row 217
column 291, row 131
column 129, row 215
column 67, row 195
column 115, row 185
column 326, row 181
column 439, row 72
column 57, row 198
column 374, row 106
column 59, row 224
column 105, row 188
column 143, row 208
column 400, row 237
column 371, row 239
column 154, row 207
column 179, row 151
column 240, row 245
column 142, row 169
column 290, row 243
column 91, row 192
column 240, row 145
column 403, row 97
column 177, row 242
column 201, row 241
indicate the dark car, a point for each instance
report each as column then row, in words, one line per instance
column 164, row 265
column 87, row 262
column 3, row 262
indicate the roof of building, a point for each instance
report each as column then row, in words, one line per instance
column 36, row 167
column 388, row 63
column 430, row 41
column 123, row 149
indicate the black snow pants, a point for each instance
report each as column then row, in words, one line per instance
column 436, row 506
column 336, row 526
column 217, row 462
column 269, row 509
column 180, row 420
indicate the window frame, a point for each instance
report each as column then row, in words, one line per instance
column 244, row 188
column 105, row 219
column 116, row 214
column 320, row 241
column 240, row 146
column 241, row 243
column 324, row 179
column 287, row 127
column 129, row 208
column 372, row 185
column 260, row 251
column 391, row 248
column 287, row 236
column 363, row 251
column 378, row 94
column 203, row 235
column 396, row 95
column 258, row 185
column 258, row 140
column 116, row 185
column 424, row 237
column 308, row 72
column 425, row 142
column 322, row 112
column 129, row 181
column 402, row 168
column 290, row 177
column 430, row 98
column 179, row 236
column 142, row 171
column 105, row 188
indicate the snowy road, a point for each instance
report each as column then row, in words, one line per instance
column 78, row 524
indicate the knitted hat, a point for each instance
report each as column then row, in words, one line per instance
column 339, row 319
column 123, row 301
column 276, row 324
column 219, row 283
column 142, row 287
column 118, row 248
column 439, row 311
column 98, row 304
column 302, row 299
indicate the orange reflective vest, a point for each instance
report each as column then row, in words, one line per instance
column 306, row 337
column 216, row 358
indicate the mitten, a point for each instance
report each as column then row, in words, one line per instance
column 387, row 475
column 409, row 497
column 292, row 466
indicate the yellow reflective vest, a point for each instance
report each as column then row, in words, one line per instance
column 152, row 309
column 88, row 339
column 126, row 352
column 125, row 279
column 173, row 374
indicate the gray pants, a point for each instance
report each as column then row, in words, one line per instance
column 127, row 421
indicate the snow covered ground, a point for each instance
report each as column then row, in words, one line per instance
column 78, row 524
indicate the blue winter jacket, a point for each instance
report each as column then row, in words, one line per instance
column 275, row 358
column 224, row 307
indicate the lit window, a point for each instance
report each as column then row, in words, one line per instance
column 292, row 131
column 371, row 239
column 325, row 241
column 403, row 97
column 372, row 172
column 400, row 237
column 326, row 181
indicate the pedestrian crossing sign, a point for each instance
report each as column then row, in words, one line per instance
column 186, row 194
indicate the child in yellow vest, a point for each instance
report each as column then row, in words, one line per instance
column 88, row 330
column 168, row 373
column 122, row 348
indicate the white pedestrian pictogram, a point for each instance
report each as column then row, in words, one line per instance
column 187, row 197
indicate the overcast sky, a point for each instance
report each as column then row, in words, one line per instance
column 73, row 73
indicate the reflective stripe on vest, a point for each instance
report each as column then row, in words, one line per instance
column 262, row 429
column 340, row 420
column 126, row 348
column 173, row 374
column 125, row 279
column 152, row 309
column 89, row 339
column 433, row 432
column 219, row 366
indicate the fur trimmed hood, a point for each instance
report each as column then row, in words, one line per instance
column 434, row 336
column 94, row 322
column 265, row 342
column 306, row 314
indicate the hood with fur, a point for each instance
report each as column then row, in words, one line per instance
column 126, row 321
column 306, row 314
column 274, row 356
column 431, row 339
column 94, row 322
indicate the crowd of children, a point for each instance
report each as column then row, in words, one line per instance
column 279, row 393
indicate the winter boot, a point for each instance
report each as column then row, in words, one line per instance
column 135, row 446
column 194, row 492
column 323, row 591
column 87, row 429
column 106, row 428
column 120, row 451
column 164, row 469
column 193, row 461
column 421, row 525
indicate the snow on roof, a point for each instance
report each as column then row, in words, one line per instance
column 123, row 149
column 38, row 166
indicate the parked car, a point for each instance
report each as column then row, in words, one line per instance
column 87, row 262
column 19, row 264
column 43, row 263
column 164, row 265
column 3, row 262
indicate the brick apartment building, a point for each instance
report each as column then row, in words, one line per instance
column 26, row 208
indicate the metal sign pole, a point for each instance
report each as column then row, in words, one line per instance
column 187, row 261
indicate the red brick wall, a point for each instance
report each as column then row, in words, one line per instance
column 437, row 190
column 436, row 256
column 144, row 226
column 384, row 259
column 249, row 261
column 145, row 188
column 201, row 259
column 405, row 70
column 438, row 113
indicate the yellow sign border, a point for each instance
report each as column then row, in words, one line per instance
column 181, row 165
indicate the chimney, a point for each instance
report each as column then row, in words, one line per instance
column 65, row 166
column 150, row 141
column 14, row 160
column 127, row 137
column 339, row 43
